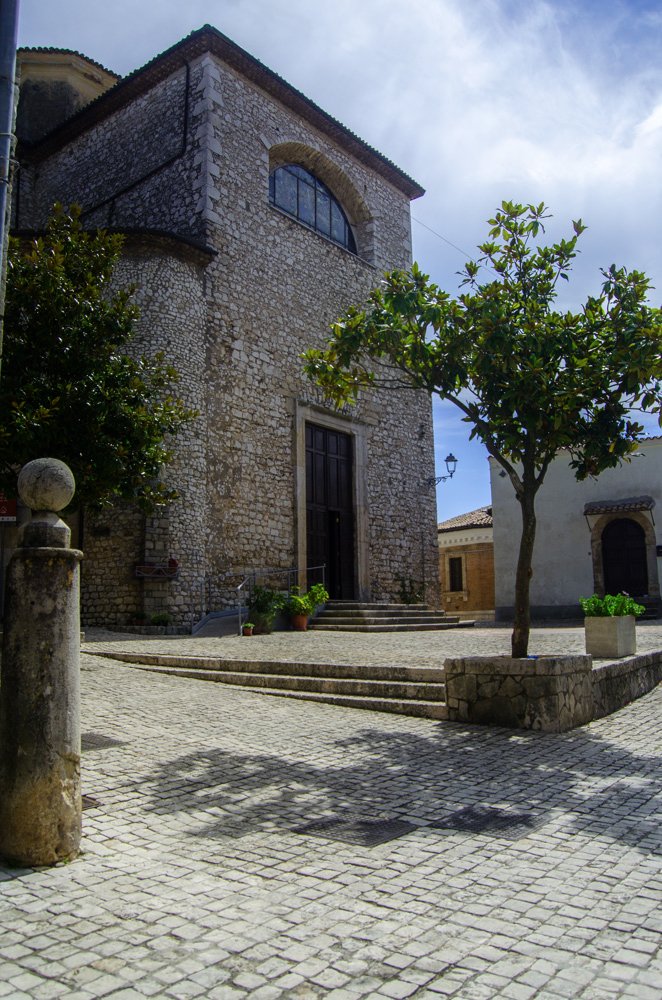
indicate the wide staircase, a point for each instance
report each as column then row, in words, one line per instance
column 404, row 690
column 355, row 616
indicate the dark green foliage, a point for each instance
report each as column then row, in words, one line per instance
column 160, row 618
column 68, row 390
column 263, row 606
column 305, row 604
column 610, row 606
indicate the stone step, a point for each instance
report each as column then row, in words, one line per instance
column 377, row 614
column 405, row 690
column 373, row 605
column 366, row 618
column 376, row 672
column 430, row 709
column 372, row 689
column 381, row 616
column 399, row 627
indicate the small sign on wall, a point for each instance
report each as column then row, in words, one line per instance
column 7, row 510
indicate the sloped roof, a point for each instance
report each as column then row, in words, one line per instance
column 67, row 52
column 479, row 518
column 621, row 506
column 209, row 39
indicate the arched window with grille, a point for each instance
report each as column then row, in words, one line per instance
column 296, row 191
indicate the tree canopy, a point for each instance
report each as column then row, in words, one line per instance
column 529, row 379
column 68, row 389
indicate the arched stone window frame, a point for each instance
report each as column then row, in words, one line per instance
column 339, row 184
column 640, row 518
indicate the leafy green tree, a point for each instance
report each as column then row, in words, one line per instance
column 67, row 389
column 530, row 380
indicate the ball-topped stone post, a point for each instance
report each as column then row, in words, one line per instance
column 40, row 798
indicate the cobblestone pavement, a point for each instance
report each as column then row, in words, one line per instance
column 194, row 881
column 390, row 648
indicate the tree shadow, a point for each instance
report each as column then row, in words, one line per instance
column 585, row 783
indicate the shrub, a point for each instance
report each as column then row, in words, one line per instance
column 263, row 606
column 305, row 604
column 610, row 606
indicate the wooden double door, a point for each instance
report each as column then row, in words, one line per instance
column 330, row 509
column 624, row 558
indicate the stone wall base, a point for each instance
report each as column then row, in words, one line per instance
column 548, row 693
column 617, row 684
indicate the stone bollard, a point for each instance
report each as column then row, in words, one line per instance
column 40, row 799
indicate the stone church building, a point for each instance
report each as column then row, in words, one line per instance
column 252, row 219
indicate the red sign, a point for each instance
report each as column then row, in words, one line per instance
column 7, row 510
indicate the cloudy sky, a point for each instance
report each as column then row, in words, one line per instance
column 530, row 100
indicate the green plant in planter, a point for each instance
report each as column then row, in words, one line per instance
column 263, row 606
column 305, row 604
column 610, row 606
column 160, row 618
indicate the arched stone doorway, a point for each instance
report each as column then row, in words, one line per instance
column 623, row 547
column 624, row 558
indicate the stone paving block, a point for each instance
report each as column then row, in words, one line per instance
column 192, row 760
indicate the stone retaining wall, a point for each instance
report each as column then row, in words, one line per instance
column 617, row 684
column 547, row 693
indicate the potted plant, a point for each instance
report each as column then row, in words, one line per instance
column 609, row 625
column 263, row 606
column 247, row 628
column 300, row 607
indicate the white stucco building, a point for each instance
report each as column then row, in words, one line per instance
column 600, row 536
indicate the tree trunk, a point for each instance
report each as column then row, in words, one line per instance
column 522, row 622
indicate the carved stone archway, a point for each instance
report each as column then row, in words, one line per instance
column 641, row 517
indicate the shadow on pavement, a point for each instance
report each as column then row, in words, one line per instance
column 581, row 781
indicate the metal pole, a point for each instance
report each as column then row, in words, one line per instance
column 8, row 101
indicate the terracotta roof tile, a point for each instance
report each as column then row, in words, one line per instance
column 619, row 506
column 480, row 518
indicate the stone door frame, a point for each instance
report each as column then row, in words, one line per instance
column 640, row 518
column 310, row 413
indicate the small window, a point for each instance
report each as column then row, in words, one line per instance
column 455, row 573
column 302, row 195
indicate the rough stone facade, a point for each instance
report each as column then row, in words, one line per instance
column 617, row 684
column 232, row 289
column 548, row 693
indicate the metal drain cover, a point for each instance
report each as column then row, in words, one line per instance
column 97, row 741
column 489, row 819
column 357, row 830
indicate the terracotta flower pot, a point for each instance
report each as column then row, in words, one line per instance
column 299, row 622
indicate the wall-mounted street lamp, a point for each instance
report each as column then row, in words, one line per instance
column 451, row 465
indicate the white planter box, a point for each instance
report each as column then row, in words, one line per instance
column 610, row 638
